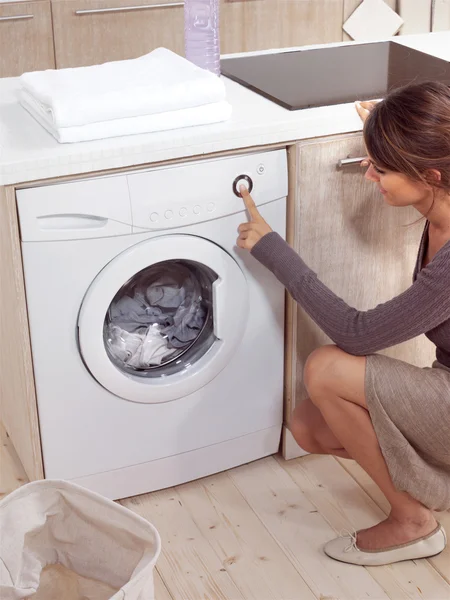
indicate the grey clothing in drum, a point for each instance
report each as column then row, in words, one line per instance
column 162, row 313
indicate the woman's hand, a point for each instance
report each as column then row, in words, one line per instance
column 250, row 233
column 363, row 108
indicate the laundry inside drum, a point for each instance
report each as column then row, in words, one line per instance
column 161, row 321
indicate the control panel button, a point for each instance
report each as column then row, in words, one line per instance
column 211, row 207
column 261, row 169
column 183, row 211
column 242, row 180
column 168, row 214
column 154, row 217
column 197, row 209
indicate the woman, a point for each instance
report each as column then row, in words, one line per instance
column 391, row 417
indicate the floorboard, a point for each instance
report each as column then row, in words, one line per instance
column 161, row 591
column 254, row 560
column 188, row 564
column 301, row 528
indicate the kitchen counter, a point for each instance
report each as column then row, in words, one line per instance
column 28, row 152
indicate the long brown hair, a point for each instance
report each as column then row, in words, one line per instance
column 409, row 132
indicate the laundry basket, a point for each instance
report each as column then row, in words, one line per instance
column 59, row 541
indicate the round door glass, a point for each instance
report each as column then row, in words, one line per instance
column 161, row 321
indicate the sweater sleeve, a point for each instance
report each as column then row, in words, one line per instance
column 421, row 308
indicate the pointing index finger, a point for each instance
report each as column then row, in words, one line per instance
column 249, row 203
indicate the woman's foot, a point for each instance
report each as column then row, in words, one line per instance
column 345, row 549
column 394, row 531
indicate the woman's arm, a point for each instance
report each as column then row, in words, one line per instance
column 424, row 306
column 421, row 308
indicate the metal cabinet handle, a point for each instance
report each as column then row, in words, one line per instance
column 348, row 162
column 95, row 11
column 16, row 18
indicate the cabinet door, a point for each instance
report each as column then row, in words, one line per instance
column 90, row 32
column 248, row 25
column 26, row 38
column 361, row 248
column 441, row 15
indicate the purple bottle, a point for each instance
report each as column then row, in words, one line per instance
column 201, row 33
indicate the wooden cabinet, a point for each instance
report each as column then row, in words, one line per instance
column 361, row 248
column 87, row 32
column 265, row 24
column 441, row 15
column 95, row 31
column 26, row 39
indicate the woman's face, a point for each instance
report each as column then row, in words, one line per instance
column 398, row 189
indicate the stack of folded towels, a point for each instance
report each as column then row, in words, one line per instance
column 155, row 92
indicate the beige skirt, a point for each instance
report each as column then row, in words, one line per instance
column 410, row 411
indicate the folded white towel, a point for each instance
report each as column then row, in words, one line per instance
column 175, row 119
column 158, row 82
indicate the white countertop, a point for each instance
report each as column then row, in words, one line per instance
column 28, row 152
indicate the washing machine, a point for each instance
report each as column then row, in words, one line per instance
column 157, row 344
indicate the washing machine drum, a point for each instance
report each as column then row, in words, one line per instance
column 163, row 318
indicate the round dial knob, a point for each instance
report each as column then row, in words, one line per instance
column 242, row 180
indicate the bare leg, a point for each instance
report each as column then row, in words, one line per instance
column 335, row 382
column 311, row 432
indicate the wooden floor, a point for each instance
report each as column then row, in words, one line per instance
column 256, row 532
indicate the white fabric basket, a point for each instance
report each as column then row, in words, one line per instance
column 103, row 550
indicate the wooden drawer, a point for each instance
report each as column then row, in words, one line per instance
column 26, row 39
column 90, row 32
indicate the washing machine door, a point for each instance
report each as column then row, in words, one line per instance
column 163, row 318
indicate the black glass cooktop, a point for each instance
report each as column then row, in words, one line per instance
column 326, row 76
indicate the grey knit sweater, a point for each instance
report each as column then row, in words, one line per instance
column 422, row 308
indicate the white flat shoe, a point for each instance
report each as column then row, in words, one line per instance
column 345, row 550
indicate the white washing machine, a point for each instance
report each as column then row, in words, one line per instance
column 157, row 344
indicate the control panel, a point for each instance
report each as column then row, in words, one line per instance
column 159, row 198
column 176, row 196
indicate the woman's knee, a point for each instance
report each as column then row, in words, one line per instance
column 330, row 372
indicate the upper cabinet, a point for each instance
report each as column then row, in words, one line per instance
column 94, row 31
column 441, row 15
column 87, row 32
column 90, row 32
column 26, row 39
column 248, row 25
